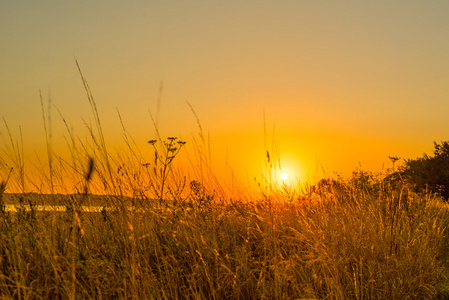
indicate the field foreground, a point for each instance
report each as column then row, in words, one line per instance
column 344, row 240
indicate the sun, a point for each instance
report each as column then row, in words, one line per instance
column 284, row 176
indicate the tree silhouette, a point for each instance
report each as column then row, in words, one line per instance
column 429, row 172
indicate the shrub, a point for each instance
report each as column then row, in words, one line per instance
column 429, row 173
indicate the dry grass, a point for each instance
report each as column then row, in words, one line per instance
column 347, row 244
column 362, row 238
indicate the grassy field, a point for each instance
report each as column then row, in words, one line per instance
column 349, row 241
column 362, row 238
column 195, row 237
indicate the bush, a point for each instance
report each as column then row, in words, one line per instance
column 429, row 173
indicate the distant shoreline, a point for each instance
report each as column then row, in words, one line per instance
column 58, row 199
column 62, row 202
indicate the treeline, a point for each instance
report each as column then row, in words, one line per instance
column 426, row 174
column 429, row 172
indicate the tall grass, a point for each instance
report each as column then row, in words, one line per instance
column 345, row 243
column 365, row 237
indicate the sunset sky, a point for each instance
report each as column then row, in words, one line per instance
column 344, row 83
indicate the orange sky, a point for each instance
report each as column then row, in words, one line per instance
column 343, row 82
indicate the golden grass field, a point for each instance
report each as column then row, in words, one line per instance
column 193, row 237
column 355, row 240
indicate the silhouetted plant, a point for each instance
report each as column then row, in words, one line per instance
column 429, row 172
column 170, row 149
column 2, row 191
column 394, row 159
column 199, row 194
column 364, row 181
column 329, row 185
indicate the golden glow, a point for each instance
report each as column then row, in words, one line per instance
column 320, row 92
column 284, row 176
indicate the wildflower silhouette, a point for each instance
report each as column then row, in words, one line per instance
column 393, row 160
column 170, row 149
